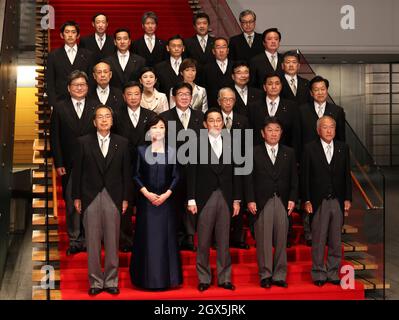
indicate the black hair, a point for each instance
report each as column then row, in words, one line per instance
column 70, row 23
column 271, row 120
column 238, row 64
column 318, row 79
column 127, row 30
column 76, row 74
column 100, row 106
column 210, row 110
column 148, row 69
column 175, row 37
column 199, row 16
column 93, row 19
column 181, row 85
column 131, row 84
column 291, row 53
column 272, row 74
column 271, row 30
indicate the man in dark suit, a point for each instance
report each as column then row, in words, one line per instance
column 168, row 70
column 99, row 43
column 271, row 192
column 101, row 189
column 70, row 119
column 199, row 47
column 273, row 105
column 214, row 194
column 131, row 122
column 295, row 88
column 62, row 61
column 184, row 119
column 217, row 73
column 312, row 111
column 327, row 193
column 246, row 96
column 235, row 123
column 104, row 93
column 126, row 66
column 151, row 48
column 247, row 44
column 269, row 60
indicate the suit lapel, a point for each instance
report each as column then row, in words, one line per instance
column 113, row 147
column 97, row 154
column 72, row 117
column 267, row 161
column 118, row 68
column 86, row 115
column 323, row 155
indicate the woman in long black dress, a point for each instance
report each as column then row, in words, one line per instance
column 155, row 261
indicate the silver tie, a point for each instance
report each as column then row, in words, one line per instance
column 293, row 86
column 273, row 154
column 102, row 147
column 320, row 111
column 203, row 44
column 123, row 59
column 103, row 97
column 222, row 66
column 273, row 62
column 273, row 108
column 184, row 120
column 177, row 67
column 228, row 123
column 216, row 149
column 79, row 109
column 135, row 119
column 150, row 44
column 328, row 153
column 71, row 55
column 100, row 39
column 250, row 41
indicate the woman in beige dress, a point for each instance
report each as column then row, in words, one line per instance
column 188, row 70
column 152, row 99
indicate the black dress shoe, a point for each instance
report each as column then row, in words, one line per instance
column 335, row 282
column 227, row 285
column 266, row 283
column 319, row 283
column 240, row 245
column 112, row 290
column 95, row 291
column 203, row 286
column 309, row 243
column 280, row 283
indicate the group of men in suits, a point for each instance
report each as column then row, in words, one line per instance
column 250, row 86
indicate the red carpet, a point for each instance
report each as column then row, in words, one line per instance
column 74, row 279
column 175, row 16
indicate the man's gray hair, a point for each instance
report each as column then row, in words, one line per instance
column 245, row 13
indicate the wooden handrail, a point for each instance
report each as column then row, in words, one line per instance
column 362, row 192
column 55, row 200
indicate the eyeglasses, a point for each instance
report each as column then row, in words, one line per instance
column 213, row 121
column 183, row 94
column 228, row 99
column 77, row 85
column 104, row 116
column 248, row 22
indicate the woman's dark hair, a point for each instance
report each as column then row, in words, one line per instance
column 153, row 121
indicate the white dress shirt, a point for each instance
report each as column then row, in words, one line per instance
column 134, row 115
column 71, row 52
column 100, row 43
column 325, row 148
column 103, row 94
column 227, row 115
column 320, row 108
column 269, row 56
column 200, row 40
column 243, row 92
column 222, row 64
column 216, row 144
column 270, row 153
column 105, row 144
column 175, row 64
column 125, row 59
column 269, row 106
column 82, row 106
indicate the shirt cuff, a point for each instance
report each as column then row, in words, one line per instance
column 192, row 202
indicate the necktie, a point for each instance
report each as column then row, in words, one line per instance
column 184, row 120
column 273, row 150
column 135, row 119
column 203, row 44
column 293, row 86
column 228, row 123
column 222, row 66
column 79, row 109
column 242, row 94
column 71, row 55
column 177, row 67
column 328, row 153
column 320, row 111
column 103, row 93
column 102, row 146
column 250, row 41
column 100, row 39
column 273, row 62
column 123, row 63
column 149, row 44
column 216, row 149
column 272, row 108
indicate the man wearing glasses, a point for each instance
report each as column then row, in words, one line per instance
column 248, row 44
column 70, row 119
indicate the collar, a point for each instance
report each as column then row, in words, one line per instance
column 75, row 48
column 126, row 53
column 325, row 144
column 269, row 147
column 99, row 89
column 130, row 111
column 268, row 100
column 180, row 112
column 173, row 60
column 212, row 139
column 74, row 101
column 323, row 105
column 288, row 77
column 200, row 37
column 239, row 89
column 225, row 115
column 269, row 55
column 226, row 62
column 99, row 136
column 147, row 37
column 98, row 37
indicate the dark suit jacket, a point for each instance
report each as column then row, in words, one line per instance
column 254, row 95
column 115, row 99
column 240, row 50
column 214, row 79
column 92, row 172
column 193, row 50
column 59, row 68
column 319, row 179
column 267, row 179
column 309, row 117
column 260, row 66
column 167, row 77
column 203, row 179
column 90, row 44
column 157, row 55
column 288, row 115
column 195, row 122
column 302, row 93
column 131, row 72
column 65, row 128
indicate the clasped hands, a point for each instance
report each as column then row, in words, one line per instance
column 156, row 199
